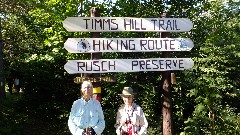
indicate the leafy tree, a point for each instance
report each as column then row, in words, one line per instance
column 205, row 98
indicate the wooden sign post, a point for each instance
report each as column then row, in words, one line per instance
column 95, row 45
column 166, row 91
column 95, row 12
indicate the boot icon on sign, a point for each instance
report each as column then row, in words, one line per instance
column 183, row 44
column 83, row 46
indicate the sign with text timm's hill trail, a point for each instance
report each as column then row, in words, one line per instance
column 114, row 24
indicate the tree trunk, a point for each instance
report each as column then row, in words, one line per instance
column 166, row 94
column 212, row 120
column 2, row 78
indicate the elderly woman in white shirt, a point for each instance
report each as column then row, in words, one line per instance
column 86, row 116
column 130, row 116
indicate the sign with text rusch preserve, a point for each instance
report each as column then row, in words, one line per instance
column 127, row 65
column 115, row 24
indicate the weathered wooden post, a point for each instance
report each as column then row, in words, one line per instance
column 166, row 90
column 95, row 12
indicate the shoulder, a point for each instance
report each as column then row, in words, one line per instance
column 76, row 105
column 121, row 107
column 95, row 102
column 137, row 107
column 76, row 102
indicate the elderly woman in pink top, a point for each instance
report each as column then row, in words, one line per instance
column 130, row 116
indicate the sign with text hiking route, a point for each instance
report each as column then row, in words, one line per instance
column 91, row 45
column 127, row 65
column 114, row 24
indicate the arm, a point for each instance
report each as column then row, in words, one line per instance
column 120, row 121
column 143, row 123
column 118, row 125
column 101, row 122
column 74, row 129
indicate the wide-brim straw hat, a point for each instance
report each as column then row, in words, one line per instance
column 127, row 91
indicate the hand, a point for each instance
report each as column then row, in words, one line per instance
column 122, row 121
column 92, row 132
column 119, row 133
column 89, row 131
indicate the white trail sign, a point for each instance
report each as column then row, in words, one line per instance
column 115, row 24
column 91, row 45
column 127, row 65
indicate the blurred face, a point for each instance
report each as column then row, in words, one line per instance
column 87, row 90
column 128, row 100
